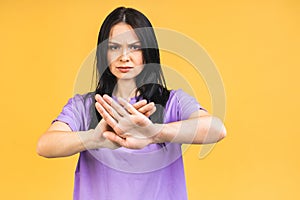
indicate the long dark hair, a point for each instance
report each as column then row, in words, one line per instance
column 150, row 82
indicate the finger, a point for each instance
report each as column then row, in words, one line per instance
column 115, row 105
column 115, row 138
column 97, row 97
column 106, row 105
column 101, row 101
column 140, row 104
column 112, row 145
column 153, row 110
column 149, row 113
column 150, row 107
column 105, row 115
column 127, row 106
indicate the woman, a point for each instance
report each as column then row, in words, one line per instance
column 130, row 130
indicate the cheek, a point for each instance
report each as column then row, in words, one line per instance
column 111, row 57
column 141, row 68
column 139, row 58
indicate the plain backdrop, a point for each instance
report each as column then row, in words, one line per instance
column 254, row 45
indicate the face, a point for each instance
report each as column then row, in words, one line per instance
column 124, row 53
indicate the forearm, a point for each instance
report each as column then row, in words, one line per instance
column 64, row 143
column 199, row 130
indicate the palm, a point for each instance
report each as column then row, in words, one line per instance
column 132, row 128
column 135, row 124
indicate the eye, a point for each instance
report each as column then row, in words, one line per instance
column 113, row 47
column 135, row 47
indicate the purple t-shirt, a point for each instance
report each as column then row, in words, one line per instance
column 154, row 172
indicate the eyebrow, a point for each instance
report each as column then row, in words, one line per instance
column 115, row 42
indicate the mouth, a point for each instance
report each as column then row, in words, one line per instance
column 124, row 69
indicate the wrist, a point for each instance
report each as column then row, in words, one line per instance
column 158, row 136
column 87, row 139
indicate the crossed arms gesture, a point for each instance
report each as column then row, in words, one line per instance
column 129, row 126
column 126, row 125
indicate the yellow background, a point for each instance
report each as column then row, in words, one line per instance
column 255, row 45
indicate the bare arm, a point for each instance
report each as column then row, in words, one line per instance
column 60, row 141
column 200, row 128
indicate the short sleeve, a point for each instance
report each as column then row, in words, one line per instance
column 75, row 113
column 186, row 104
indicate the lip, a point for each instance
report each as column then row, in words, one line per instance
column 124, row 69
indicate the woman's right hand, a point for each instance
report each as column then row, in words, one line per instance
column 100, row 140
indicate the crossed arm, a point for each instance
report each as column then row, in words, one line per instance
column 132, row 129
column 128, row 125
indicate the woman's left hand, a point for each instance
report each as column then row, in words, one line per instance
column 133, row 129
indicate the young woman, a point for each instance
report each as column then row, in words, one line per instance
column 130, row 130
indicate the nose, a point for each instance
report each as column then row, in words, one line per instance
column 124, row 56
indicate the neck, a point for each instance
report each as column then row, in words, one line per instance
column 125, row 89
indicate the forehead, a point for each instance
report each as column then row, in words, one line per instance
column 122, row 33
